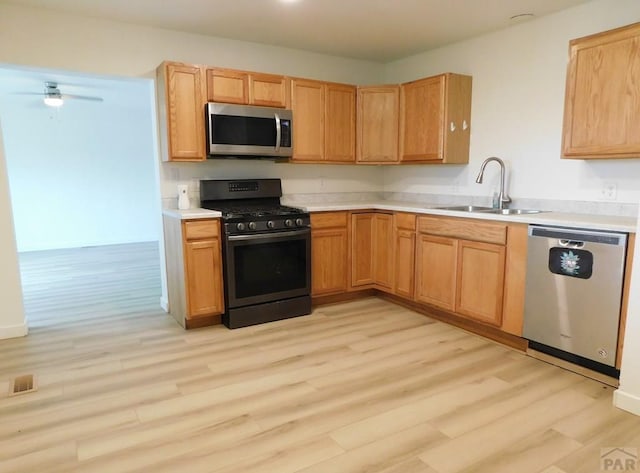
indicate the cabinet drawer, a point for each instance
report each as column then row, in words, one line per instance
column 328, row 220
column 475, row 230
column 405, row 221
column 198, row 229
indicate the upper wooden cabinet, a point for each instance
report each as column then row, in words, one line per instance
column 435, row 116
column 248, row 88
column 378, row 124
column 181, row 100
column 324, row 121
column 602, row 98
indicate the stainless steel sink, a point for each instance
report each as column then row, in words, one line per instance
column 489, row 210
column 466, row 208
column 512, row 211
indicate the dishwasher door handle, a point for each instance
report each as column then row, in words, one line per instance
column 571, row 244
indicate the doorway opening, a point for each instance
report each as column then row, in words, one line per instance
column 85, row 194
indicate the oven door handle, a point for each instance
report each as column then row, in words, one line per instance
column 269, row 236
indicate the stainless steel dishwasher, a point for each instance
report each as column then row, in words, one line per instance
column 573, row 294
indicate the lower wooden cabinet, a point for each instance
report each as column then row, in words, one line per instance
column 194, row 269
column 458, row 274
column 329, row 253
column 436, row 259
column 372, row 255
column 405, row 250
column 203, row 277
column 480, row 281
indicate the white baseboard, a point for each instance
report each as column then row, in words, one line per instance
column 14, row 331
column 164, row 303
column 626, row 401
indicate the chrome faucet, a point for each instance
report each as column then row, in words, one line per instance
column 503, row 198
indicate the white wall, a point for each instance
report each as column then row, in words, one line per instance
column 64, row 41
column 517, row 110
column 82, row 174
column 12, row 320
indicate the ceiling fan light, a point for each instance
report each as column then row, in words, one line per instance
column 53, row 101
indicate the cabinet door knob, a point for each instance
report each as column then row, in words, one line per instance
column 465, row 125
column 452, row 126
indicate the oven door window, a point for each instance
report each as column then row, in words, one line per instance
column 267, row 270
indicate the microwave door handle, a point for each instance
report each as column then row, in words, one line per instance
column 278, row 131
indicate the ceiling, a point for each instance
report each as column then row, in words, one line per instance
column 375, row 30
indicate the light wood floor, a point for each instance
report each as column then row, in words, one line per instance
column 364, row 386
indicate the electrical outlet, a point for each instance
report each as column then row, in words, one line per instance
column 609, row 191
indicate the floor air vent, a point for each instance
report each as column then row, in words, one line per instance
column 22, row 385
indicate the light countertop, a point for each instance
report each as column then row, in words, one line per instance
column 564, row 219
column 574, row 220
column 191, row 213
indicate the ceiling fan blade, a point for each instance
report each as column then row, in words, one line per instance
column 82, row 97
column 28, row 93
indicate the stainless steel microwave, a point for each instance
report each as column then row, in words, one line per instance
column 248, row 131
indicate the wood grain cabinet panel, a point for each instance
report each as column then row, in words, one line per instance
column 203, row 278
column 246, row 88
column 435, row 117
column 372, row 250
column 602, row 101
column 340, row 123
column 329, row 253
column 405, row 254
column 307, row 103
column 378, row 124
column 181, row 98
column 362, row 249
column 268, row 90
column 436, row 263
column 383, row 251
column 480, row 281
column 227, row 86
column 324, row 121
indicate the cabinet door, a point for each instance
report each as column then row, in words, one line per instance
column 307, row 103
column 227, row 86
column 362, row 249
column 378, row 124
column 383, row 251
column 436, row 270
column 329, row 249
column 184, row 93
column 267, row 90
column 340, row 123
column 602, row 103
column 405, row 248
column 203, row 278
column 480, row 281
column 422, row 105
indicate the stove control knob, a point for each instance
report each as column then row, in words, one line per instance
column 252, row 225
column 240, row 226
column 270, row 224
column 299, row 222
column 288, row 223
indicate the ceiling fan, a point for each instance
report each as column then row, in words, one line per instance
column 54, row 98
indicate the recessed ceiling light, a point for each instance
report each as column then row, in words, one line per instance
column 289, row 1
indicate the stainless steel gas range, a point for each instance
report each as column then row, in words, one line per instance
column 266, row 251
